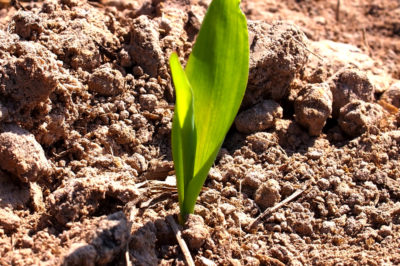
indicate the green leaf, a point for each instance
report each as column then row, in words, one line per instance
column 183, row 128
column 217, row 73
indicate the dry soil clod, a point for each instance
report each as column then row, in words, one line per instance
column 313, row 107
column 350, row 84
column 269, row 211
column 392, row 95
column 358, row 116
column 21, row 154
column 259, row 117
column 86, row 83
column 278, row 53
column 106, row 81
column 104, row 238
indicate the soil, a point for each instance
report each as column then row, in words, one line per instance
column 86, row 105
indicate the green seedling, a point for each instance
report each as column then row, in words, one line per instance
column 208, row 96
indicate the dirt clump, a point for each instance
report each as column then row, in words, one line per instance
column 358, row 117
column 260, row 117
column 313, row 107
column 267, row 195
column 27, row 25
column 13, row 193
column 328, row 57
column 144, row 48
column 290, row 133
column 143, row 245
column 86, row 108
column 80, row 197
column 106, row 81
column 21, row 155
column 27, row 77
column 253, row 180
column 195, row 232
column 123, row 134
column 392, row 95
column 350, row 84
column 278, row 53
column 9, row 221
column 104, row 238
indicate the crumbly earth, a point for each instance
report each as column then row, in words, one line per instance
column 86, row 105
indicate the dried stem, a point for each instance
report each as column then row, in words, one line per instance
column 268, row 211
column 181, row 242
column 338, row 11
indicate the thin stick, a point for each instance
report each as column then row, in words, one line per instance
column 240, row 224
column 181, row 242
column 127, row 259
column 17, row 5
column 305, row 47
column 338, row 11
column 274, row 208
column 366, row 44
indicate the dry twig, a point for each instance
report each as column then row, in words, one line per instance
column 268, row 211
column 181, row 242
column 365, row 39
column 307, row 49
column 127, row 259
column 240, row 196
column 130, row 217
column 338, row 11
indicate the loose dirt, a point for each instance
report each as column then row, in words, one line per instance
column 86, row 105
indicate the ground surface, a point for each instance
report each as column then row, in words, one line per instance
column 86, row 102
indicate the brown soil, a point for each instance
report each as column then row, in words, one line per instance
column 86, row 103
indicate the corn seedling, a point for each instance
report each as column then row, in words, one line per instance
column 208, row 96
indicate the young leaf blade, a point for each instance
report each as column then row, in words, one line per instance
column 218, row 71
column 183, row 129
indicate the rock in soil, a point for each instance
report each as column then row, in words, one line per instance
column 36, row 196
